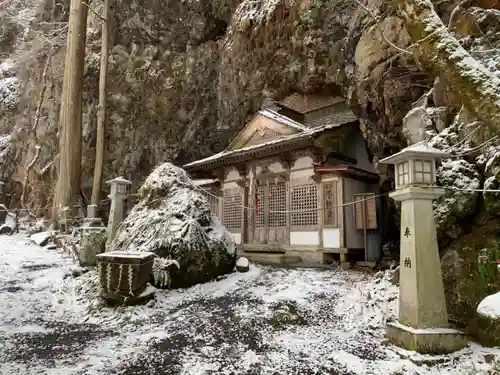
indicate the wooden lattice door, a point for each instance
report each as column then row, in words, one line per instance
column 277, row 232
column 270, row 218
column 259, row 227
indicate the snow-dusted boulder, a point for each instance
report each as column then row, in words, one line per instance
column 42, row 238
column 457, row 205
column 489, row 318
column 242, row 265
column 173, row 221
column 490, row 307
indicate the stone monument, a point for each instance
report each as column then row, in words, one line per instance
column 92, row 219
column 117, row 195
column 423, row 318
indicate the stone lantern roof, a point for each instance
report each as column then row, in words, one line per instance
column 420, row 150
column 119, row 180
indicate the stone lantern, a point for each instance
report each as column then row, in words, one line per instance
column 415, row 165
column 423, row 318
column 118, row 194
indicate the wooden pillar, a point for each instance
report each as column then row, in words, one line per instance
column 220, row 175
column 244, row 217
column 321, row 215
column 341, row 209
column 289, row 202
column 251, row 203
column 220, row 202
column 266, row 211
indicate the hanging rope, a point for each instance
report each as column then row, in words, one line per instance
column 347, row 203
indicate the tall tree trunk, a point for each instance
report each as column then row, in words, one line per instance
column 70, row 118
column 101, row 112
column 438, row 50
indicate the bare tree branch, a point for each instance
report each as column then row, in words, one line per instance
column 94, row 11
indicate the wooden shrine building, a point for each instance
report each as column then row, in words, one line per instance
column 287, row 181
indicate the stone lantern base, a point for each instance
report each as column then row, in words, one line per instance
column 426, row 341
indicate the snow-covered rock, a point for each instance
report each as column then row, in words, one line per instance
column 242, row 265
column 460, row 200
column 490, row 307
column 42, row 238
column 173, row 220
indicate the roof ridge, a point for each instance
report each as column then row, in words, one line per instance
column 289, row 121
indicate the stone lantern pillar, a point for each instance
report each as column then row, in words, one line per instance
column 423, row 318
column 118, row 194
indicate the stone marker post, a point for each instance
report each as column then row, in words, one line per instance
column 117, row 195
column 92, row 220
column 65, row 219
column 423, row 318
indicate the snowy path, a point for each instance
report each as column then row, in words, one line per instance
column 50, row 325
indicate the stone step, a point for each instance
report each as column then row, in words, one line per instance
column 269, row 258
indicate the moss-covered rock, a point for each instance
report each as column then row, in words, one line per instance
column 173, row 221
column 470, row 274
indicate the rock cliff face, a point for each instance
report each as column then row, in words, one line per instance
column 186, row 75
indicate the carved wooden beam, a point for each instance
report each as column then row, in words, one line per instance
column 242, row 169
column 316, row 177
column 320, row 156
column 220, row 174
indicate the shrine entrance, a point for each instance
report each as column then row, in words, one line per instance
column 270, row 216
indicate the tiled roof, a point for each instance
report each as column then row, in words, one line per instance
column 341, row 117
column 314, row 127
column 261, row 146
column 305, row 103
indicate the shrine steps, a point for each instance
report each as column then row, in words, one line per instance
column 306, row 256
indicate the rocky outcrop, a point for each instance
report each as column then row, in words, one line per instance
column 470, row 274
column 184, row 77
column 173, row 221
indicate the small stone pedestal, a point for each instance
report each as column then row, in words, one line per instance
column 124, row 276
column 92, row 243
column 426, row 340
column 423, row 319
column 92, row 220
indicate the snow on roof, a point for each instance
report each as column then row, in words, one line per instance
column 287, row 138
column 273, row 115
column 120, row 180
column 204, row 181
column 420, row 149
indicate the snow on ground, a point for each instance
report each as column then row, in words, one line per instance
column 266, row 321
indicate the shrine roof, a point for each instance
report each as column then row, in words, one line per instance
column 282, row 119
column 226, row 157
column 305, row 103
column 342, row 117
